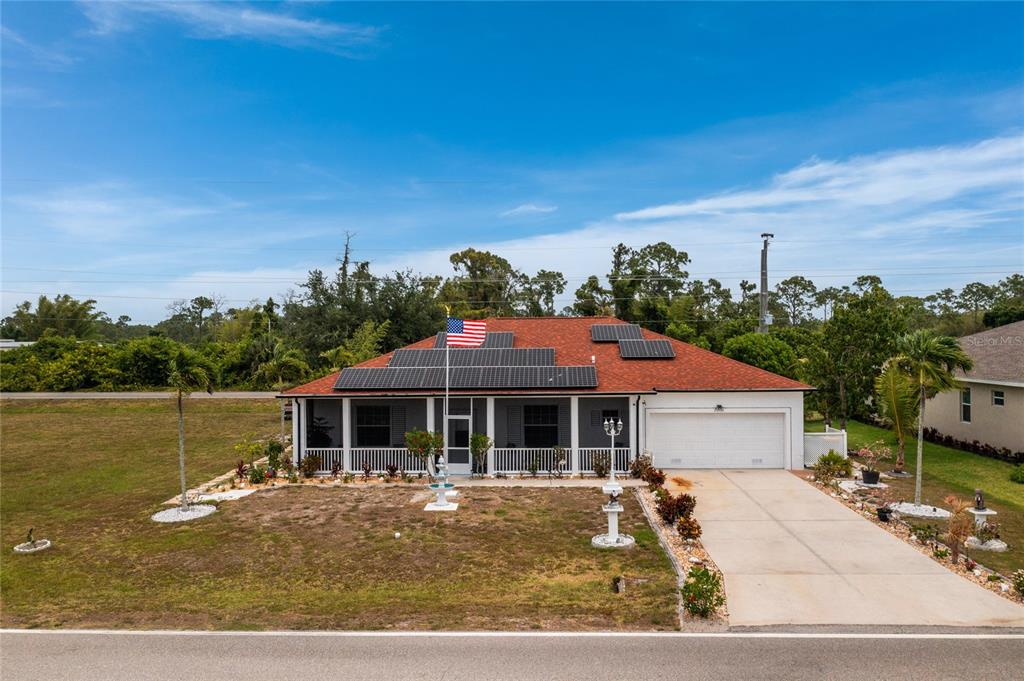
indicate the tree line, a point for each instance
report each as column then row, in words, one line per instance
column 835, row 338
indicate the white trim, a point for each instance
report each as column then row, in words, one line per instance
column 1009, row 384
column 346, row 432
column 490, row 433
column 574, row 435
column 513, row 634
column 295, row 431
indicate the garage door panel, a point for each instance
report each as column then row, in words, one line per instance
column 716, row 440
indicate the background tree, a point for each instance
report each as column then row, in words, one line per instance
column 363, row 344
column 592, row 300
column 538, row 293
column 189, row 372
column 931, row 361
column 62, row 316
column 284, row 365
column 763, row 351
column 798, row 295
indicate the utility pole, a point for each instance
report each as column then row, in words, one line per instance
column 764, row 320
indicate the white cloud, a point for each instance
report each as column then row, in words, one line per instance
column 233, row 20
column 528, row 209
column 47, row 57
column 106, row 210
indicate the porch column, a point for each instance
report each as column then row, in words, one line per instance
column 574, row 434
column 430, row 415
column 490, row 434
column 295, row 430
column 634, row 429
column 303, row 432
column 346, row 433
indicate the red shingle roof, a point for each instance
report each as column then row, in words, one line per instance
column 692, row 369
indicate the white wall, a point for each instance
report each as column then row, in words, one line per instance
column 789, row 404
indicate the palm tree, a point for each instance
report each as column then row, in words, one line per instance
column 930, row 360
column 897, row 406
column 284, row 366
column 189, row 372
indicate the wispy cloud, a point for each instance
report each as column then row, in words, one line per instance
column 107, row 210
column 212, row 21
column 46, row 57
column 528, row 209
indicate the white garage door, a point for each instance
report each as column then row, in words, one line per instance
column 718, row 440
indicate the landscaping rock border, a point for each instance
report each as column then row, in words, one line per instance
column 684, row 555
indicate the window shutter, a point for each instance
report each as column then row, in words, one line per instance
column 398, row 425
column 563, row 423
column 595, row 418
column 515, row 424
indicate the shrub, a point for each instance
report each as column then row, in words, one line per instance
column 640, row 465
column 1017, row 579
column 671, row 508
column 940, row 552
column 240, row 470
column 1017, row 474
column 702, row 592
column 688, row 527
column 988, row 532
column 685, row 504
column 310, row 465
column 533, row 466
column 601, row 462
column 832, row 465
column 479, row 445
column 975, row 447
column 257, row 475
column 335, row 470
column 654, row 477
column 959, row 524
column 274, row 450
column 348, row 477
column 392, row 471
column 293, row 477
column 925, row 533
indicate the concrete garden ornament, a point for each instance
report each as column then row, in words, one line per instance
column 443, row 488
column 612, row 539
column 32, row 545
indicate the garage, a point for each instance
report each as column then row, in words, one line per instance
column 725, row 439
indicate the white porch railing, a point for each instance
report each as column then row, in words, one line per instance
column 521, row 459
column 816, row 444
column 328, row 457
column 513, row 460
column 379, row 458
column 587, row 458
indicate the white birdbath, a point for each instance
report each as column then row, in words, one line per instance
column 443, row 488
column 612, row 539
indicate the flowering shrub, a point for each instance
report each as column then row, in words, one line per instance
column 987, row 532
column 702, row 592
column 310, row 465
column 1017, row 578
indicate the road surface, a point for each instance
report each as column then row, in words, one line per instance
column 60, row 656
column 227, row 395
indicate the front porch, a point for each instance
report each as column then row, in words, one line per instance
column 530, row 434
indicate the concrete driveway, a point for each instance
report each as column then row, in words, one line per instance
column 793, row 555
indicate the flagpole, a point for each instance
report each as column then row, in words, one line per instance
column 444, row 425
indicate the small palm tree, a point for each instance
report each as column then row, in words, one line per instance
column 930, row 360
column 284, row 366
column 896, row 393
column 189, row 372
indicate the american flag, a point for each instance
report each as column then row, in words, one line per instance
column 465, row 333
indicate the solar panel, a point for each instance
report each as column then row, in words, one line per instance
column 432, row 378
column 609, row 333
column 479, row 357
column 646, row 349
column 493, row 339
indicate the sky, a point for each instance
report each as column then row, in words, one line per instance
column 160, row 151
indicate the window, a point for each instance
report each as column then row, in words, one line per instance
column 998, row 398
column 373, row 426
column 540, row 425
column 965, row 405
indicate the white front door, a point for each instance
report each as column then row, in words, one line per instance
column 458, row 445
column 716, row 440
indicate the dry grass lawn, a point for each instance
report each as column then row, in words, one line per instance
column 88, row 475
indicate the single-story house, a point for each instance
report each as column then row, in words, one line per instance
column 990, row 406
column 543, row 387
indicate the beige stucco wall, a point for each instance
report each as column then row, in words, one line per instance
column 997, row 426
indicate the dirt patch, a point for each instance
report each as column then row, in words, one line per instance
column 682, row 483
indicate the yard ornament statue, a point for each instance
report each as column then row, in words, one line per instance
column 612, row 539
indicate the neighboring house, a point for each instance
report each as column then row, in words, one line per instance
column 539, row 384
column 990, row 407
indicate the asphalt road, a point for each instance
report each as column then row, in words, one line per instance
column 227, row 395
column 25, row 656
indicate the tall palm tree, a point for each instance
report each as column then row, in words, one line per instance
column 282, row 367
column 930, row 360
column 896, row 395
column 189, row 372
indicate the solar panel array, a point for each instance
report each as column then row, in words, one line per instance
column 646, row 349
column 493, row 339
column 433, row 378
column 609, row 333
column 473, row 357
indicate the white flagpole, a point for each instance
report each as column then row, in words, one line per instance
column 445, row 415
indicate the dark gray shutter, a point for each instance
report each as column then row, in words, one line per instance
column 563, row 423
column 515, row 426
column 398, row 425
column 595, row 418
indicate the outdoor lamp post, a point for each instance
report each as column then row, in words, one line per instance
column 613, row 489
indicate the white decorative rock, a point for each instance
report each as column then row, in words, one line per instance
column 176, row 515
column 1004, row 587
column 996, row 545
column 919, row 510
column 33, row 547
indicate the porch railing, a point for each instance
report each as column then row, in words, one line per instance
column 587, row 458
column 378, row 457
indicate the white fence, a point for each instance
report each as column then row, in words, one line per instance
column 329, row 456
column 506, row 460
column 378, row 458
column 522, row 459
column 587, row 458
column 816, row 444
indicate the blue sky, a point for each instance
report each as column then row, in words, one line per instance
column 160, row 151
